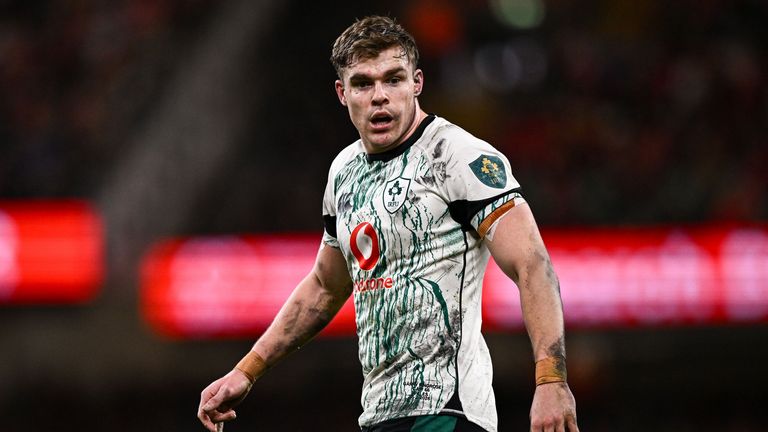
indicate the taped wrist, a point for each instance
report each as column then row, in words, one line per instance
column 551, row 370
column 252, row 365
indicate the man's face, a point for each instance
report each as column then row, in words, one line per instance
column 380, row 94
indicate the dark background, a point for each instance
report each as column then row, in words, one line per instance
column 201, row 117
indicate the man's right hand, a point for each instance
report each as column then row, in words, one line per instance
column 218, row 399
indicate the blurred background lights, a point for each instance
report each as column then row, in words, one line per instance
column 458, row 75
column 521, row 14
column 436, row 25
column 8, row 242
column 533, row 60
column 163, row 164
column 498, row 67
column 504, row 67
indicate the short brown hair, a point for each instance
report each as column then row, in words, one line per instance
column 368, row 37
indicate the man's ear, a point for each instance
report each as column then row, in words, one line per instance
column 418, row 81
column 340, row 92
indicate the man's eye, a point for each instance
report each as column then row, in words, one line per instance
column 361, row 84
column 394, row 80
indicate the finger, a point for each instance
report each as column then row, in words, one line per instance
column 207, row 394
column 560, row 427
column 206, row 421
column 204, row 397
column 214, row 402
column 572, row 426
column 218, row 417
column 208, row 414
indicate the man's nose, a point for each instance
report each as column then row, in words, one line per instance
column 379, row 94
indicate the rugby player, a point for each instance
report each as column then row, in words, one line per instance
column 412, row 211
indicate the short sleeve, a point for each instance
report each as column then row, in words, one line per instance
column 480, row 186
column 329, row 213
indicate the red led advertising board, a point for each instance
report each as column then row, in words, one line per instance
column 227, row 286
column 50, row 252
column 234, row 286
column 630, row 277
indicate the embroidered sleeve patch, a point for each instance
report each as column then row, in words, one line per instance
column 489, row 170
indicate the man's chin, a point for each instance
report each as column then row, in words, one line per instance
column 380, row 148
column 381, row 143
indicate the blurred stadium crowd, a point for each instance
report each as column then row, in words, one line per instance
column 74, row 77
column 610, row 111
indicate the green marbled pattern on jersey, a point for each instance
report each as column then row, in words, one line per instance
column 419, row 307
column 408, row 334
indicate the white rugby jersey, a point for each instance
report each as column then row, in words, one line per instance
column 410, row 223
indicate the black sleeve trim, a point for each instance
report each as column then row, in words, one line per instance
column 462, row 211
column 330, row 225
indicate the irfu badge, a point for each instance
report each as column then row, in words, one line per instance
column 489, row 170
column 395, row 192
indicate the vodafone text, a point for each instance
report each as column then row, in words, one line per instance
column 373, row 284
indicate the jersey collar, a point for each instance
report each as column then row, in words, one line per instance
column 397, row 151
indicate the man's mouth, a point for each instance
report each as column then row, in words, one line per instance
column 381, row 121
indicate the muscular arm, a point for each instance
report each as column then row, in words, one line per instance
column 311, row 306
column 519, row 251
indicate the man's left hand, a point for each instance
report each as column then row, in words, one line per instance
column 553, row 409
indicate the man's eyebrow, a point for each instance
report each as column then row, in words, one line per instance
column 363, row 76
column 359, row 77
column 394, row 71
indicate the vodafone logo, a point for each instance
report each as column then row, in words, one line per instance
column 364, row 244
